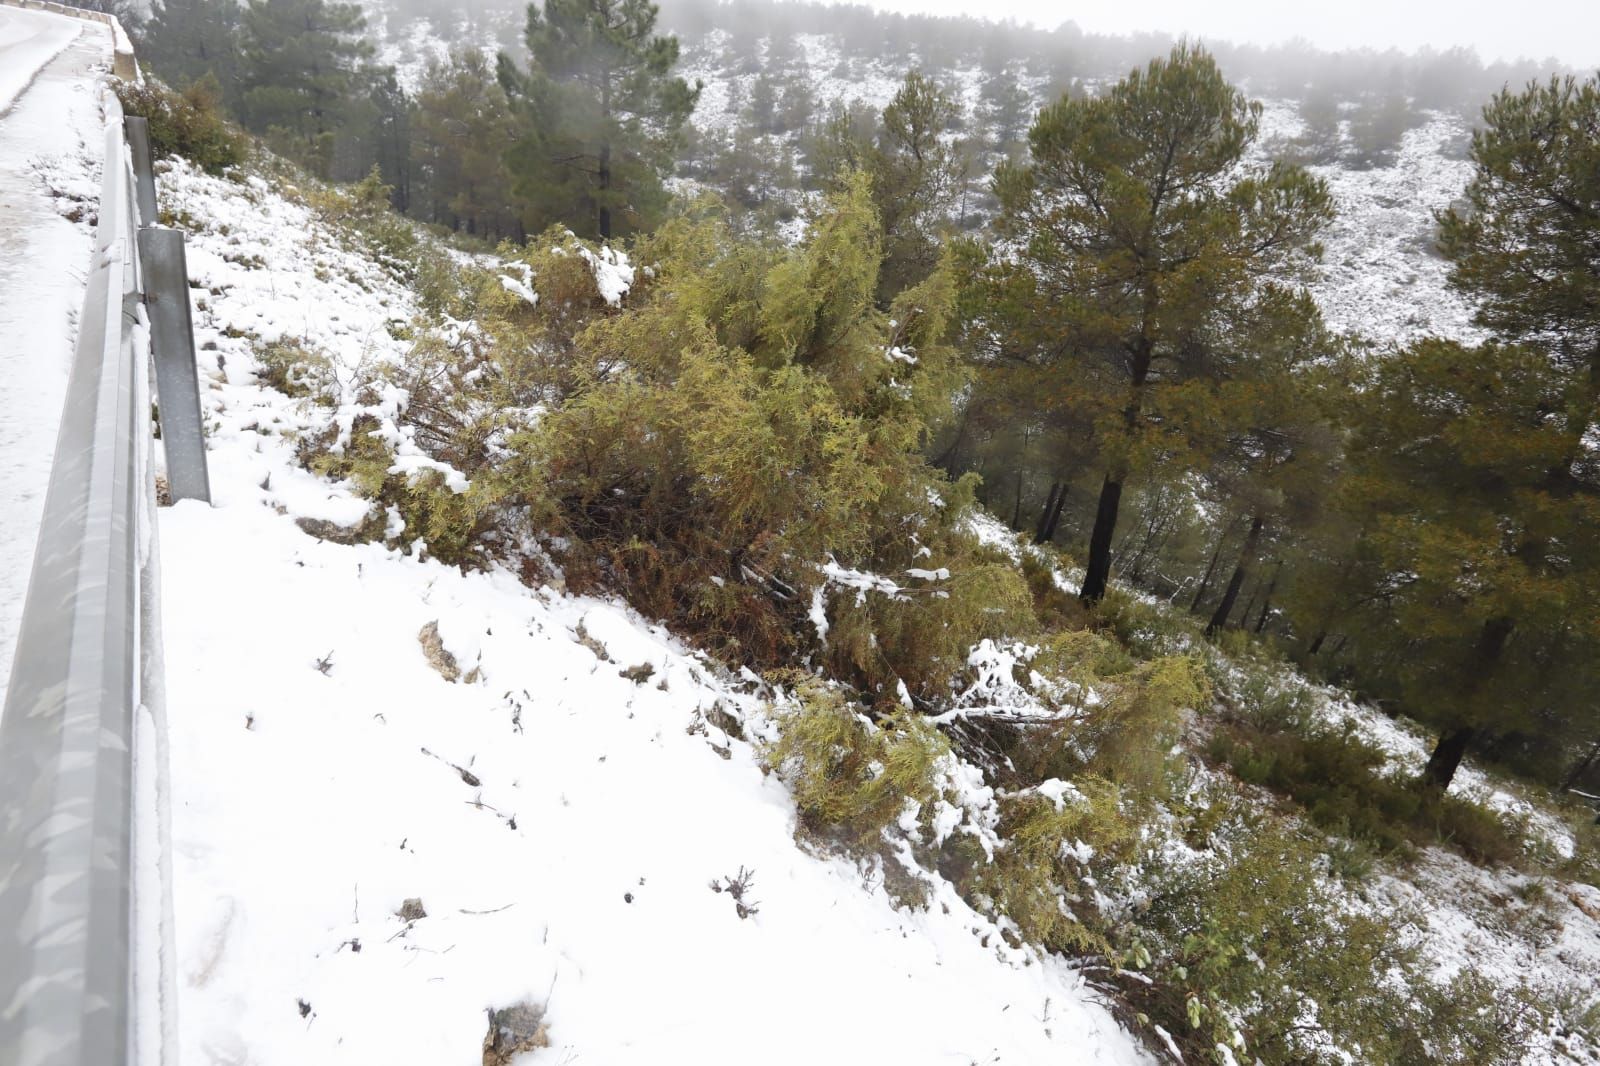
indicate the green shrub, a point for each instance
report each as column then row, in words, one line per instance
column 1040, row 877
column 851, row 778
column 294, row 370
column 1482, row 835
column 1120, row 718
column 924, row 636
column 1146, row 629
column 188, row 124
column 1254, row 943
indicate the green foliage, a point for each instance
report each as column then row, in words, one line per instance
column 189, row 41
column 1143, row 278
column 1251, row 945
column 922, row 636
column 1525, row 245
column 1146, row 628
column 188, row 123
column 741, row 423
column 1123, row 716
column 463, row 122
column 602, row 112
column 1039, row 878
column 302, row 63
column 362, row 210
column 852, row 778
column 1271, row 737
column 917, row 175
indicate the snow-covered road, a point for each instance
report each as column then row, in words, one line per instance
column 50, row 146
column 29, row 40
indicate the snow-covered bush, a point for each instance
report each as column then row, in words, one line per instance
column 851, row 777
column 188, row 124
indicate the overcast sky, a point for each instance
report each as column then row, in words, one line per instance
column 1499, row 29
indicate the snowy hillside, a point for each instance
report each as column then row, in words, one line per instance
column 1381, row 277
column 407, row 795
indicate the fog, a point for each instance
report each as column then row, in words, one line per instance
column 1567, row 30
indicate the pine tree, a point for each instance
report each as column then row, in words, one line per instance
column 1140, row 249
column 184, row 40
column 1480, row 464
column 1464, row 486
column 916, row 173
column 603, row 111
column 463, row 123
column 1527, row 244
column 303, row 67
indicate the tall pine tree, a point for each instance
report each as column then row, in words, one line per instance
column 303, row 68
column 1141, row 248
column 603, row 112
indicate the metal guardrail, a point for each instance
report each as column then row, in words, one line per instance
column 85, row 907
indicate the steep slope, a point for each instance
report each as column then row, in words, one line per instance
column 563, row 826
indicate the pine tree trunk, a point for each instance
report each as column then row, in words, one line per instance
column 1055, row 516
column 1446, row 758
column 1016, row 509
column 1098, row 573
column 605, row 186
column 605, row 161
column 1105, row 526
column 1266, row 601
column 1039, row 530
column 1211, row 568
column 1241, row 570
column 1447, row 754
column 1582, row 768
column 1249, row 605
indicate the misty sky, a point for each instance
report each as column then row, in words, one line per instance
column 1498, row 29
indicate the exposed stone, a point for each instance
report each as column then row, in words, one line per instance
column 437, row 654
column 513, row 1031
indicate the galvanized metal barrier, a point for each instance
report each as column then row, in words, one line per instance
column 85, row 910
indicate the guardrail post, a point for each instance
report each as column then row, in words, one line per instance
column 166, row 297
column 144, row 176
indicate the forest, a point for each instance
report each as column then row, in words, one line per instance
column 1075, row 289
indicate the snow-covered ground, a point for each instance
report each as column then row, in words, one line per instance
column 1381, row 275
column 561, row 825
column 51, row 141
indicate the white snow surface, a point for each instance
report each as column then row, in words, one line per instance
column 29, row 40
column 561, row 824
column 51, row 141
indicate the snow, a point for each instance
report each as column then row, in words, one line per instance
column 613, row 274
column 561, row 824
column 1382, row 277
column 51, row 141
column 29, row 40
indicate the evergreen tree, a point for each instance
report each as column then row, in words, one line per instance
column 917, row 175
column 303, row 67
column 1527, row 244
column 1480, row 463
column 603, row 110
column 1140, row 252
column 462, row 126
column 184, row 40
column 1465, row 487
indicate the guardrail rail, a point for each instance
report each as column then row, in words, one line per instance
column 85, row 906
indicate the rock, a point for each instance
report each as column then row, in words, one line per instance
column 412, row 910
column 638, row 674
column 323, row 529
column 513, row 1031
column 437, row 654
